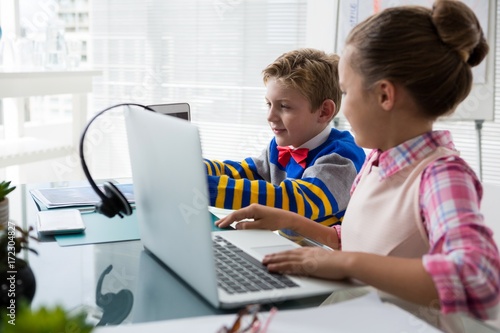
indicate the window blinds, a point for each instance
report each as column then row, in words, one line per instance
column 207, row 53
column 211, row 54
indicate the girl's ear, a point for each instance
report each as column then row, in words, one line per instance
column 327, row 111
column 386, row 92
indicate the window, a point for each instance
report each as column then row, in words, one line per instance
column 211, row 54
column 207, row 53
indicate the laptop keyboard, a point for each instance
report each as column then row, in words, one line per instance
column 238, row 272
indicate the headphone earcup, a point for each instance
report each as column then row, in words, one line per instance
column 115, row 202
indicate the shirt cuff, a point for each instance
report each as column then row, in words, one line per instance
column 338, row 229
column 447, row 281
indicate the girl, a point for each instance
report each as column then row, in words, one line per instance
column 412, row 229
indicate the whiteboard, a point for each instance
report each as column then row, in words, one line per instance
column 480, row 104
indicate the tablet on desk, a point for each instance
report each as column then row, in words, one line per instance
column 61, row 221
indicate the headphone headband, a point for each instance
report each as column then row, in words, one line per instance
column 113, row 202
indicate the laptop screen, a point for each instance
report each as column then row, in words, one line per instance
column 178, row 110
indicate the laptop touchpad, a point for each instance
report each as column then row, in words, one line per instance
column 263, row 250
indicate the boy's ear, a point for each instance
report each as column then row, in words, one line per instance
column 386, row 92
column 327, row 111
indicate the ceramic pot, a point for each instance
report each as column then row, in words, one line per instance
column 18, row 285
column 4, row 212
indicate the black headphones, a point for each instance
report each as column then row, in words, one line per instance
column 113, row 202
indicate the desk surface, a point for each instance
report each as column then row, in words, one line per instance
column 69, row 276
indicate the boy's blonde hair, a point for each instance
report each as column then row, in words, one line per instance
column 312, row 72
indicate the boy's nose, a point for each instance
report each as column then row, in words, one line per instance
column 272, row 115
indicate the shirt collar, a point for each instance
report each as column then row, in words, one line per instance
column 318, row 139
column 407, row 153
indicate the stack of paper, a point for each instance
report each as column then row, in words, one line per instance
column 74, row 197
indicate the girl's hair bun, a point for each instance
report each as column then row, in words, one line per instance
column 458, row 27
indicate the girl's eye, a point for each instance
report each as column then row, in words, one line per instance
column 284, row 106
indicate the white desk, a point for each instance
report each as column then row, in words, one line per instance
column 16, row 148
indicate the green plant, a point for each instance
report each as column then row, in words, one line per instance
column 13, row 239
column 5, row 189
column 45, row 319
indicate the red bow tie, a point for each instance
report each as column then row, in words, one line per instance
column 299, row 155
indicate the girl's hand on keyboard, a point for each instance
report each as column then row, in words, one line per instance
column 309, row 261
column 258, row 216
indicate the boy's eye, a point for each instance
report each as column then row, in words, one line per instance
column 283, row 106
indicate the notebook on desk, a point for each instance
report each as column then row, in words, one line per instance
column 171, row 193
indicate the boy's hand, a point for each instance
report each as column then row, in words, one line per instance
column 263, row 217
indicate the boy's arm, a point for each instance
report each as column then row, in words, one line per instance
column 323, row 190
column 233, row 169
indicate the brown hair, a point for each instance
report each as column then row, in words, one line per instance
column 312, row 72
column 429, row 51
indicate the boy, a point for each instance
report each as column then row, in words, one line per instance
column 308, row 167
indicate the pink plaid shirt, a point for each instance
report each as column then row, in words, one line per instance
column 463, row 259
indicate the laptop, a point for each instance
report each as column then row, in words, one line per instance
column 179, row 110
column 171, row 193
